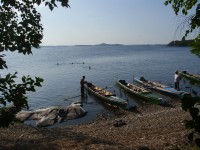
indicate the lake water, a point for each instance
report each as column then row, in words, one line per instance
column 62, row 67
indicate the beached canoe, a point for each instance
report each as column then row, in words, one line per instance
column 193, row 78
column 140, row 92
column 106, row 96
column 159, row 87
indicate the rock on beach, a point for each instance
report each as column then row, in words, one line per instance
column 51, row 115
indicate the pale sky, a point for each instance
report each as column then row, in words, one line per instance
column 110, row 21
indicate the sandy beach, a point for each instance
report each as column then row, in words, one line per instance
column 148, row 127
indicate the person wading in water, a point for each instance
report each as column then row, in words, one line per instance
column 82, row 82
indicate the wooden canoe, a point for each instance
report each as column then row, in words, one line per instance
column 140, row 92
column 106, row 96
column 193, row 78
column 159, row 87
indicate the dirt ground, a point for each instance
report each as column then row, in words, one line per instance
column 148, row 127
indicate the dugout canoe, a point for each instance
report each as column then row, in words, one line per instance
column 106, row 96
column 193, row 78
column 140, row 92
column 159, row 87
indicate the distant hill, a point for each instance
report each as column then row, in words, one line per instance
column 104, row 44
column 180, row 43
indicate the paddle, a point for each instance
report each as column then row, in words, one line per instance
column 66, row 99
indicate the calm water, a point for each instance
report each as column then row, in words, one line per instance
column 62, row 78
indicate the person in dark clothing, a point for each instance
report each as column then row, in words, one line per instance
column 82, row 82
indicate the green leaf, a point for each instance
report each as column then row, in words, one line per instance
column 24, row 79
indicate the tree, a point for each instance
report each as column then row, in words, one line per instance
column 190, row 102
column 184, row 6
column 20, row 30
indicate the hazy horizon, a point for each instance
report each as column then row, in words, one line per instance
column 90, row 22
column 117, row 44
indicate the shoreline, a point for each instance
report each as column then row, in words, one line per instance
column 149, row 127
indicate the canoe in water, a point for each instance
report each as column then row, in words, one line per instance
column 193, row 78
column 106, row 96
column 140, row 92
column 159, row 87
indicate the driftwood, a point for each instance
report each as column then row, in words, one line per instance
column 51, row 115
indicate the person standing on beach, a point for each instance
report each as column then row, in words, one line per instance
column 82, row 82
column 177, row 79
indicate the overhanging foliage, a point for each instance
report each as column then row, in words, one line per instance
column 20, row 30
column 183, row 6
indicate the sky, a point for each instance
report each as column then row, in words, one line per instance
column 130, row 22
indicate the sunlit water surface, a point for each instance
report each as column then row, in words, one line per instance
column 62, row 67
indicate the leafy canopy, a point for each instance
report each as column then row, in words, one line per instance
column 20, row 24
column 20, row 30
column 190, row 102
column 184, row 6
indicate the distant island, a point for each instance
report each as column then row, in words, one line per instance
column 102, row 44
column 180, row 43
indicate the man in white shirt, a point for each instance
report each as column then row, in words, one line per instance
column 177, row 79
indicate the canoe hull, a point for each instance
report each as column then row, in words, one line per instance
column 194, row 79
column 110, row 99
column 161, row 88
column 145, row 95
